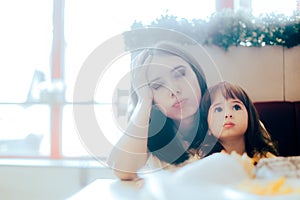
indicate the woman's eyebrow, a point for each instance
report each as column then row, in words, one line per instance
column 177, row 67
column 155, row 80
column 172, row 71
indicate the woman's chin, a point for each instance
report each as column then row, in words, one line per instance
column 185, row 117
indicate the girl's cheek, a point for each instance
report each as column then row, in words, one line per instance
column 209, row 119
column 217, row 120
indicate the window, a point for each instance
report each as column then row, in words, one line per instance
column 26, row 39
column 43, row 47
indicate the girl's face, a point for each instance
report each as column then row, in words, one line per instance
column 176, row 90
column 227, row 118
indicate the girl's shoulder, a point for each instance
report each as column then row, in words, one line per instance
column 257, row 156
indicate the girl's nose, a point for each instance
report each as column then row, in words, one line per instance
column 228, row 116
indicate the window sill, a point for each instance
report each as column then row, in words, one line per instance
column 31, row 162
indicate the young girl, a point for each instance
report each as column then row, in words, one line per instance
column 164, row 127
column 233, row 123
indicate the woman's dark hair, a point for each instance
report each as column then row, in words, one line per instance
column 257, row 138
column 163, row 141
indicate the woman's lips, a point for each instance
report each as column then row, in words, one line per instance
column 228, row 125
column 179, row 104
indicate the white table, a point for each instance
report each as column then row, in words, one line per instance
column 114, row 189
column 109, row 189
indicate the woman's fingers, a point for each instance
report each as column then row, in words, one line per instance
column 140, row 59
column 139, row 63
column 140, row 83
column 139, row 75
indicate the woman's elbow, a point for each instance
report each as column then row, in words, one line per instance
column 125, row 176
column 121, row 174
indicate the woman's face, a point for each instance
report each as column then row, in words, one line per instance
column 176, row 90
column 227, row 118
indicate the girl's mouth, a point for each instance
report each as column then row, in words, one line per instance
column 228, row 125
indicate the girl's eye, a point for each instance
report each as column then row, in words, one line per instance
column 237, row 107
column 218, row 109
column 180, row 73
column 155, row 86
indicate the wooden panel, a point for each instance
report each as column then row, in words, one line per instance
column 292, row 73
column 258, row 70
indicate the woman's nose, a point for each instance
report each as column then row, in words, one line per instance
column 175, row 92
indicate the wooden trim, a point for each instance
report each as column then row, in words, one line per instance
column 57, row 73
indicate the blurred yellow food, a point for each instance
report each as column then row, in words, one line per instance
column 250, row 163
column 274, row 187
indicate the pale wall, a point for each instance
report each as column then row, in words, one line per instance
column 271, row 73
column 292, row 74
column 46, row 182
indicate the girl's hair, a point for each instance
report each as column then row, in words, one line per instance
column 257, row 138
column 163, row 140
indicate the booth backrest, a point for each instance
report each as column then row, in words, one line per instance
column 297, row 110
column 282, row 120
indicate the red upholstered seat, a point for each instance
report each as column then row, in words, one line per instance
column 297, row 110
column 282, row 120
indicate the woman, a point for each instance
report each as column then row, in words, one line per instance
column 234, row 123
column 164, row 127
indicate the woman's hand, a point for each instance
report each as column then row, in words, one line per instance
column 139, row 77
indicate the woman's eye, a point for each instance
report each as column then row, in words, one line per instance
column 155, row 86
column 180, row 73
column 218, row 109
column 237, row 107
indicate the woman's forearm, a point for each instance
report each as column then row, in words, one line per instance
column 130, row 152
